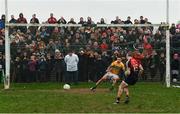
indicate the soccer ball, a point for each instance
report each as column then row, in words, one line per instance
column 66, row 86
column 174, row 80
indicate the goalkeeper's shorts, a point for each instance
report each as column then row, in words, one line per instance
column 132, row 78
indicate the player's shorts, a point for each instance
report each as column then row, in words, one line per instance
column 132, row 78
column 111, row 76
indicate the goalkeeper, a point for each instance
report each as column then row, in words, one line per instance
column 134, row 69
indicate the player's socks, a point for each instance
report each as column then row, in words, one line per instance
column 126, row 100
column 93, row 88
column 117, row 100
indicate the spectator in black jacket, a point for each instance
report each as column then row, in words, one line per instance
column 62, row 21
column 2, row 46
column 42, row 67
column 89, row 21
column 59, row 66
column 82, row 66
column 11, row 28
column 142, row 21
column 173, row 29
column 99, row 67
column 153, row 64
column 16, row 76
column 24, row 67
column 128, row 21
column 2, row 67
column 72, row 21
column 13, row 20
column 147, row 22
column 115, row 21
column 175, row 66
column 91, row 67
column 50, row 66
column 81, row 21
column 101, row 21
column 34, row 20
column 32, row 63
column 162, row 66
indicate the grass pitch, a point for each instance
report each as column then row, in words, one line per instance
column 51, row 98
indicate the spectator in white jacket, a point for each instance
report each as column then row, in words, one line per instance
column 71, row 60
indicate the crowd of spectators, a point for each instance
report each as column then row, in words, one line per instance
column 37, row 53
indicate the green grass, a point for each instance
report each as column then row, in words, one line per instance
column 50, row 97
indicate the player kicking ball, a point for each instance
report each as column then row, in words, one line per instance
column 112, row 73
column 134, row 68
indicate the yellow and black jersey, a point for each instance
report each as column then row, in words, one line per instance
column 116, row 67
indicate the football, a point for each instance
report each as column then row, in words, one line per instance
column 66, row 86
column 174, row 80
column 127, row 72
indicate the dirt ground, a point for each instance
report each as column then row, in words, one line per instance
column 73, row 90
column 87, row 90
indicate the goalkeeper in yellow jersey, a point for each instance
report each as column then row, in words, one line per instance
column 113, row 72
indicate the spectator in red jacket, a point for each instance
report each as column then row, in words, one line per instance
column 148, row 49
column 22, row 20
column 52, row 19
column 104, row 45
